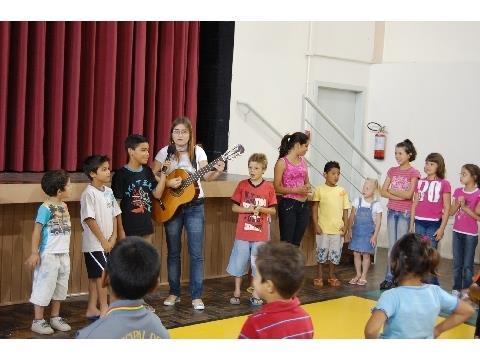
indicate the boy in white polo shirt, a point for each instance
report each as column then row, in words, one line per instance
column 98, row 213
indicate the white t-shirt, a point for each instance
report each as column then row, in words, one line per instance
column 101, row 206
column 184, row 162
column 377, row 208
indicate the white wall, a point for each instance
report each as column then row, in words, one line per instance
column 270, row 72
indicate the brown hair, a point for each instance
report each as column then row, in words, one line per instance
column 474, row 172
column 437, row 159
column 413, row 254
column 289, row 141
column 284, row 265
column 183, row 120
column 409, row 149
column 259, row 158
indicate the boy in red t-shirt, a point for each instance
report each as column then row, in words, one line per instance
column 254, row 201
column 279, row 276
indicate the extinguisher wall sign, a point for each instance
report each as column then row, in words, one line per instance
column 380, row 139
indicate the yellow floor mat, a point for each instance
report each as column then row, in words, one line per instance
column 343, row 318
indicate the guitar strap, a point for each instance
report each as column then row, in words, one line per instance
column 194, row 161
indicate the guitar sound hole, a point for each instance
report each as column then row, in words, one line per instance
column 176, row 192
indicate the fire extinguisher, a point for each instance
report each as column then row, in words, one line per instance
column 380, row 139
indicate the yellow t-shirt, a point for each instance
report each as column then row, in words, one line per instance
column 332, row 200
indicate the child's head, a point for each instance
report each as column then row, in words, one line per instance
column 133, row 268
column 413, row 255
column 97, row 167
column 370, row 188
column 470, row 174
column 257, row 164
column 137, row 148
column 435, row 165
column 56, row 183
column 405, row 152
column 181, row 134
column 280, row 270
column 297, row 142
column 331, row 171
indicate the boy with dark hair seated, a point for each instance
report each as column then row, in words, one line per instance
column 132, row 271
column 279, row 277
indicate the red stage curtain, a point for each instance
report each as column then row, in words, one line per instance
column 72, row 89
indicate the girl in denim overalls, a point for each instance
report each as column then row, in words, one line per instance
column 364, row 223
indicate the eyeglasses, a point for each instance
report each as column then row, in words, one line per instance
column 178, row 132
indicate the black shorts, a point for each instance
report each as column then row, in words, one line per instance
column 95, row 262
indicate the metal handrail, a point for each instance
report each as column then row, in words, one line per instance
column 265, row 122
column 343, row 135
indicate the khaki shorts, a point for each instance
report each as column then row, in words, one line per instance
column 329, row 248
column 50, row 279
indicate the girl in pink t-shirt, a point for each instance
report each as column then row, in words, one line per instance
column 466, row 208
column 398, row 188
column 292, row 183
column 431, row 203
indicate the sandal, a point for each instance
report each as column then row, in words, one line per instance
column 256, row 301
column 334, row 282
column 361, row 282
column 318, row 283
column 354, row 281
column 235, row 300
column 250, row 289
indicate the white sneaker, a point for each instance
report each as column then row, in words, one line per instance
column 198, row 304
column 41, row 327
column 456, row 293
column 171, row 300
column 59, row 324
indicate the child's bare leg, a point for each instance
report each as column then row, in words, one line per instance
column 365, row 265
column 357, row 259
column 38, row 311
column 102, row 296
column 331, row 269
column 92, row 309
column 55, row 308
column 238, row 284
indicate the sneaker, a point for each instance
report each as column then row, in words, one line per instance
column 171, row 300
column 386, row 285
column 198, row 304
column 456, row 293
column 41, row 327
column 59, row 324
column 149, row 307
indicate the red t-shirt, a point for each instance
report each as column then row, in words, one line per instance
column 278, row 320
column 249, row 226
column 401, row 179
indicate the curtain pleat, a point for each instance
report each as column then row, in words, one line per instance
column 72, row 89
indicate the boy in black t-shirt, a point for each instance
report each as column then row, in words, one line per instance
column 134, row 185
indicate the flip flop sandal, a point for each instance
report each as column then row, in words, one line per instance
column 334, row 282
column 362, row 282
column 256, row 301
column 235, row 300
column 250, row 289
column 354, row 281
column 318, row 283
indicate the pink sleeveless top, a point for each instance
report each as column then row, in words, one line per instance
column 294, row 176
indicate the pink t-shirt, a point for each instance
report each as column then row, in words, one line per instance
column 430, row 198
column 294, row 176
column 400, row 180
column 464, row 223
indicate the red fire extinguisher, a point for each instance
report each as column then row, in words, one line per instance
column 380, row 139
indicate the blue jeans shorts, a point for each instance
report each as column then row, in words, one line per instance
column 243, row 254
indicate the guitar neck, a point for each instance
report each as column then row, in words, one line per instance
column 200, row 173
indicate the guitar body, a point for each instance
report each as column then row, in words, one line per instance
column 164, row 209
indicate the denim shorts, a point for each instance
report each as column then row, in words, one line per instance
column 243, row 254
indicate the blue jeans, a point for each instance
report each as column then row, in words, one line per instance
column 428, row 228
column 463, row 247
column 192, row 216
column 398, row 223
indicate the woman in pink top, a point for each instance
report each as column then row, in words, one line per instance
column 431, row 203
column 398, row 188
column 291, row 181
column 466, row 208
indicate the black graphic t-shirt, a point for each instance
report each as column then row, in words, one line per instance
column 134, row 189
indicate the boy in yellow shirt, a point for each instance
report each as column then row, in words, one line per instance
column 330, row 214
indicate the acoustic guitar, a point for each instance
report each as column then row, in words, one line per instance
column 164, row 209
